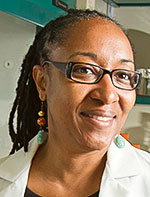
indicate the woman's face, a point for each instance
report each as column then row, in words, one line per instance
column 87, row 117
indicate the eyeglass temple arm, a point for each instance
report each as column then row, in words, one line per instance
column 61, row 66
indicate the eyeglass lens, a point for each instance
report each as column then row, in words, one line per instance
column 121, row 78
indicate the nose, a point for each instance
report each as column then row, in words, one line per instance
column 105, row 91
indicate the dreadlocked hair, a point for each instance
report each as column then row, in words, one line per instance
column 27, row 103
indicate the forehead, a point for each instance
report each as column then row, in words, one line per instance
column 96, row 36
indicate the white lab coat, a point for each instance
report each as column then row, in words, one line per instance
column 127, row 172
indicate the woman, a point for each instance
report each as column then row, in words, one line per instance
column 84, row 82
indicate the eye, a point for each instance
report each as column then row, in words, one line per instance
column 84, row 73
column 83, row 69
column 123, row 75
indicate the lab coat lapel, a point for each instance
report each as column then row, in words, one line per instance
column 112, row 187
column 17, row 162
column 122, row 164
column 15, row 179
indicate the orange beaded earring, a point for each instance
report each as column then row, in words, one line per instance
column 42, row 134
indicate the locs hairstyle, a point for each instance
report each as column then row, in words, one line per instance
column 27, row 103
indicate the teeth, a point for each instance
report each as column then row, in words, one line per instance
column 101, row 118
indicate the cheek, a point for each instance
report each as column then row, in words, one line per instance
column 63, row 99
column 127, row 101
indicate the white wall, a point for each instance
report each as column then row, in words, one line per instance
column 134, row 17
column 16, row 36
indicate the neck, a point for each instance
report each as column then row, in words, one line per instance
column 66, row 166
column 64, row 172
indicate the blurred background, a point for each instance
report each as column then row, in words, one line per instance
column 20, row 21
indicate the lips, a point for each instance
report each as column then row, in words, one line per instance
column 99, row 114
column 99, row 118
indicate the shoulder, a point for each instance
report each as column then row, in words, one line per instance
column 3, row 159
column 130, row 167
column 20, row 158
column 134, row 160
column 143, row 157
column 14, row 170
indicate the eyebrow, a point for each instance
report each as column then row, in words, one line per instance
column 94, row 56
column 87, row 54
column 127, row 60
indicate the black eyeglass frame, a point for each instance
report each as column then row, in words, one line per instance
column 66, row 68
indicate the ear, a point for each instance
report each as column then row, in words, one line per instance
column 40, row 81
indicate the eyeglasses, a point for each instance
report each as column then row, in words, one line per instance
column 91, row 74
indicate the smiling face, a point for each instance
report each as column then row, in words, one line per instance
column 88, row 116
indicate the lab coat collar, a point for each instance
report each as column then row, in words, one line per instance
column 18, row 162
column 123, row 162
column 122, row 165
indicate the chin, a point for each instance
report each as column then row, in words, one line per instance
column 98, row 144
